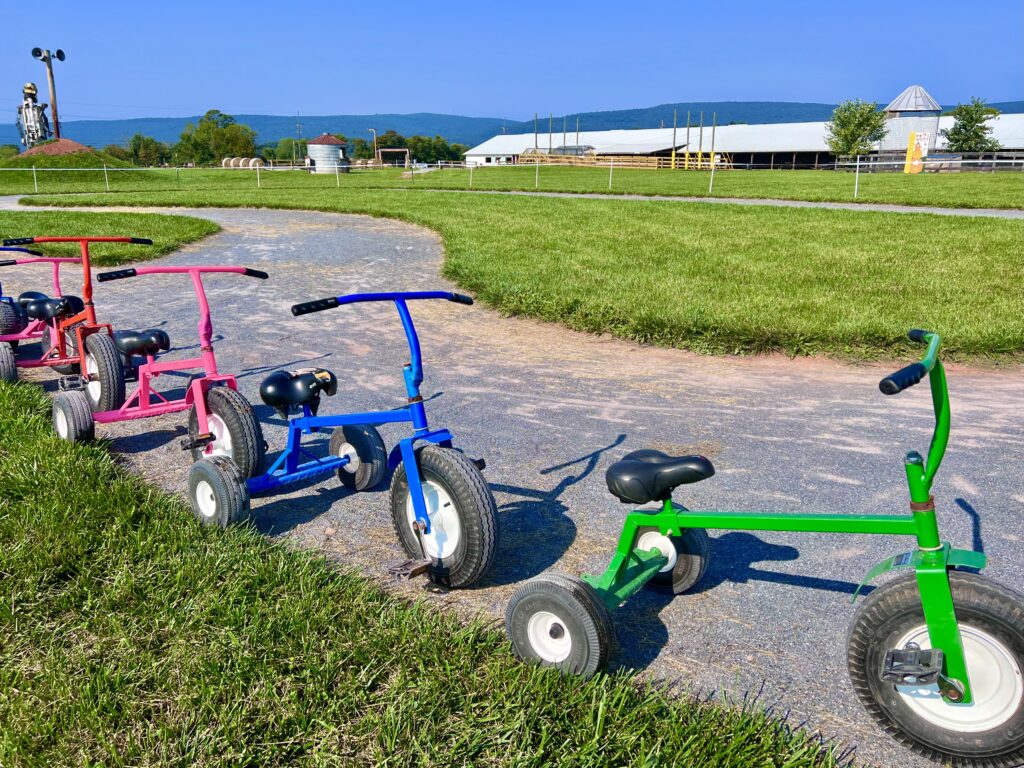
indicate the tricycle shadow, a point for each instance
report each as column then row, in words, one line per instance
column 535, row 531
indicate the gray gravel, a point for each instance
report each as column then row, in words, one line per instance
column 550, row 409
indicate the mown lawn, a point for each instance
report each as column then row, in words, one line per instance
column 713, row 279
column 168, row 233
column 129, row 635
column 966, row 190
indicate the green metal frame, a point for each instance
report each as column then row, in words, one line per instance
column 631, row 567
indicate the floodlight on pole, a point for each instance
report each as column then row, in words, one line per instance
column 376, row 154
column 46, row 57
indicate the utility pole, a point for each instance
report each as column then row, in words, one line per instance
column 374, row 132
column 577, row 132
column 535, row 131
column 564, row 118
column 675, row 115
column 46, row 57
column 298, row 138
column 700, row 142
column 687, row 155
column 551, row 117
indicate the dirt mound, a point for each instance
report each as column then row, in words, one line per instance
column 58, row 147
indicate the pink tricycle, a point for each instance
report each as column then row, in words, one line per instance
column 221, row 423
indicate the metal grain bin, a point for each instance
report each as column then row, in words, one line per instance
column 327, row 154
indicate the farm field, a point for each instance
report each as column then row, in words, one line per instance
column 713, row 279
column 958, row 190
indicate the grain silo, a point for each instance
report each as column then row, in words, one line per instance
column 327, row 154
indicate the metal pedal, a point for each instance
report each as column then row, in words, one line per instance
column 201, row 441
column 480, row 464
column 410, row 569
column 71, row 383
column 912, row 666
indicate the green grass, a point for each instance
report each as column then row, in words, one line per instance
column 714, row 279
column 967, row 190
column 132, row 636
column 168, row 233
column 68, row 161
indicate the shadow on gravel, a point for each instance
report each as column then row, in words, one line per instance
column 535, row 530
column 977, row 542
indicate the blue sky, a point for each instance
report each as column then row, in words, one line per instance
column 502, row 59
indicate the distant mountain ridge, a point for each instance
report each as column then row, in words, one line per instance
column 457, row 128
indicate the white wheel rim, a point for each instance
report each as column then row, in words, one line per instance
column 653, row 540
column 996, row 684
column 60, row 421
column 347, row 449
column 93, row 388
column 221, row 444
column 549, row 638
column 445, row 528
column 206, row 499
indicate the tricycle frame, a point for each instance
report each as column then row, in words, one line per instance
column 632, row 567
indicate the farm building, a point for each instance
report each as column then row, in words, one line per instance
column 778, row 145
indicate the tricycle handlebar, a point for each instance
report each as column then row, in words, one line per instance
column 907, row 377
column 318, row 305
column 120, row 274
column 29, row 251
column 30, row 240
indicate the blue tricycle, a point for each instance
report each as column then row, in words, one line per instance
column 441, row 506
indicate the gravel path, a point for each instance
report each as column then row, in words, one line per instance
column 550, row 409
column 994, row 213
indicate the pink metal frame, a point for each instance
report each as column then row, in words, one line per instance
column 144, row 402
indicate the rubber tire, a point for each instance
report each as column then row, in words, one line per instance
column 11, row 320
column 372, row 453
column 693, row 551
column 72, row 343
column 229, row 493
column 8, row 366
column 583, row 616
column 248, row 448
column 477, row 511
column 78, row 424
column 110, row 371
column 895, row 608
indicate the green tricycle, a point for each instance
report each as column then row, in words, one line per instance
column 935, row 655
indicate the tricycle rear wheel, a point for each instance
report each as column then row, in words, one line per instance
column 48, row 340
column 8, row 366
column 987, row 733
column 72, row 417
column 559, row 621
column 462, row 512
column 217, row 492
column 688, row 555
column 11, row 319
column 368, row 456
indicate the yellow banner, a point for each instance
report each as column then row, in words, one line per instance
column 917, row 151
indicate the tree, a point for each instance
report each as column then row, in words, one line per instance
column 855, row 126
column 215, row 137
column 362, row 149
column 290, row 149
column 116, row 150
column 145, row 150
column 969, row 132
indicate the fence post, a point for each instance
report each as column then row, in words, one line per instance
column 337, row 174
column 471, row 177
column 856, row 179
column 106, row 179
column 536, row 174
column 258, row 177
column 35, row 181
column 711, row 185
column 611, row 169
column 177, row 177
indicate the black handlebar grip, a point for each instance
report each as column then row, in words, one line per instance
column 314, row 306
column 459, row 298
column 917, row 335
column 895, row 383
column 19, row 241
column 140, row 240
column 117, row 274
column 256, row 273
column 8, row 262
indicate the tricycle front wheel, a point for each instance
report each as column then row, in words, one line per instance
column 463, row 516
column 986, row 733
column 559, row 621
column 234, row 428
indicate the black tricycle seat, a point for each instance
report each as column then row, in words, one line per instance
column 285, row 390
column 148, row 342
column 51, row 309
column 649, row 475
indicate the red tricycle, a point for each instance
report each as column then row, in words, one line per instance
column 66, row 325
column 221, row 423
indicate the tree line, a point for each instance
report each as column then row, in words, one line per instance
column 218, row 135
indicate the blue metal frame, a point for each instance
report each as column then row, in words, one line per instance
column 288, row 467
